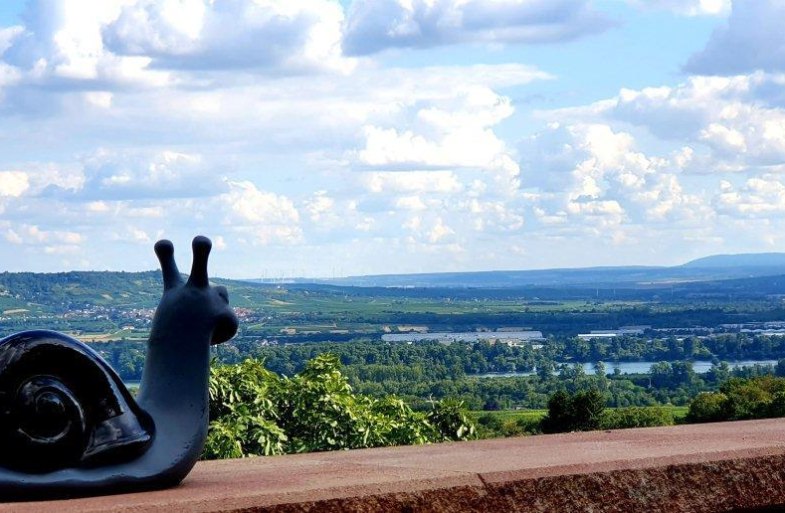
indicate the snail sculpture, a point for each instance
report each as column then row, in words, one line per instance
column 69, row 427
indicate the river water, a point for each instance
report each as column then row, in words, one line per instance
column 465, row 336
column 699, row 367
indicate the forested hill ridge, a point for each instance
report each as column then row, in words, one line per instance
column 740, row 276
column 744, row 260
column 711, row 268
column 76, row 290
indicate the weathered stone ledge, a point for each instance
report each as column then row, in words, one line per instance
column 734, row 466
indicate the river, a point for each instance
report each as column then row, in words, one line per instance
column 699, row 367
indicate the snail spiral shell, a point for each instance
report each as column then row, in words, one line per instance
column 62, row 406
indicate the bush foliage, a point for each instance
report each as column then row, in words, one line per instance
column 585, row 411
column 739, row 399
column 256, row 412
column 581, row 411
column 636, row 416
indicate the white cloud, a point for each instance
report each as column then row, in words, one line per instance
column 439, row 231
column 319, row 206
column 594, row 176
column 138, row 235
column 165, row 174
column 171, row 166
column 410, row 203
column 202, row 34
column 374, row 25
column 264, row 217
column 733, row 122
column 411, row 182
column 687, row 7
column 244, row 120
column 454, row 131
column 13, row 183
column 753, row 39
column 757, row 197
column 62, row 43
column 495, row 216
column 33, row 235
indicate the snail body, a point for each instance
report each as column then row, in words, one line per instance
column 69, row 427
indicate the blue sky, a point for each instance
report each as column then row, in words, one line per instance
column 323, row 138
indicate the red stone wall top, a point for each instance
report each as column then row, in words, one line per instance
column 731, row 466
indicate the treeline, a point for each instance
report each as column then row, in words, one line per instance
column 426, row 370
column 554, row 321
column 460, row 359
column 725, row 346
column 738, row 398
column 254, row 411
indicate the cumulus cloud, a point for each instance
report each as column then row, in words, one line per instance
column 13, row 183
column 687, row 7
column 374, row 25
column 757, row 197
column 495, row 216
column 61, row 43
column 140, row 119
column 202, row 34
column 728, row 117
column 590, row 176
column 115, row 45
column 411, row 182
column 751, row 40
column 452, row 131
column 172, row 175
column 260, row 216
column 32, row 234
column 111, row 175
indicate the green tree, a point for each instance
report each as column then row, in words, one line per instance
column 708, row 407
column 633, row 417
column 581, row 411
column 257, row 412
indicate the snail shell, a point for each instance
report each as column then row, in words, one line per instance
column 62, row 406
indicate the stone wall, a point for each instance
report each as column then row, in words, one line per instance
column 734, row 466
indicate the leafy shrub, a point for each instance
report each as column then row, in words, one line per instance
column 751, row 398
column 581, row 411
column 633, row 417
column 257, row 412
column 739, row 398
column 450, row 420
column 708, row 407
column 243, row 412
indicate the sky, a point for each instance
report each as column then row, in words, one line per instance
column 321, row 138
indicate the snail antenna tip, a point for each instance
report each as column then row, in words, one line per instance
column 164, row 249
column 201, row 247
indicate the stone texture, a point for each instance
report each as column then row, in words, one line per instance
column 734, row 466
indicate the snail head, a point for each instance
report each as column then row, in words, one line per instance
column 196, row 299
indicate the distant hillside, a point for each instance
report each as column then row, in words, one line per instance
column 737, row 276
column 772, row 260
column 712, row 268
column 587, row 277
column 70, row 290
column 503, row 279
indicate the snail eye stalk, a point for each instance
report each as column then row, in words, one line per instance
column 164, row 250
column 201, row 248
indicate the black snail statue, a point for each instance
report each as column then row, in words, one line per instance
column 69, row 427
